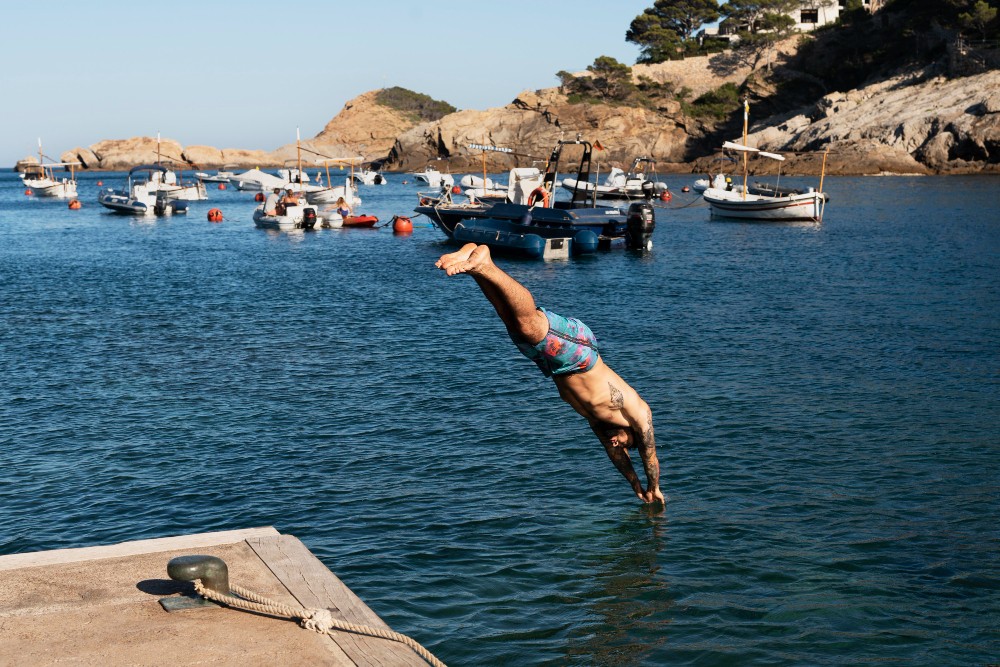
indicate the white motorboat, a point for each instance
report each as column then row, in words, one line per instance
column 141, row 196
column 166, row 181
column 763, row 203
column 255, row 180
column 368, row 177
column 719, row 182
column 300, row 216
column 433, row 177
column 221, row 176
column 620, row 184
column 42, row 180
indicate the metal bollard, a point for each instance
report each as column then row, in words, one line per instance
column 210, row 569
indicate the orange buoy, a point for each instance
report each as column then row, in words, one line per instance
column 685, row 189
column 401, row 224
column 222, row 186
column 100, row 183
column 74, row 204
column 455, row 190
column 259, row 196
column 665, row 196
column 215, row 215
column 28, row 192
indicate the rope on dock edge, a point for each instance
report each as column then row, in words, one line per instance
column 318, row 620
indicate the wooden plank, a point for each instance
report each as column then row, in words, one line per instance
column 316, row 587
column 59, row 556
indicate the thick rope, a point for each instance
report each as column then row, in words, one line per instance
column 318, row 620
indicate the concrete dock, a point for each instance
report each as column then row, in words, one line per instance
column 101, row 606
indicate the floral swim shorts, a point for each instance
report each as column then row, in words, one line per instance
column 569, row 347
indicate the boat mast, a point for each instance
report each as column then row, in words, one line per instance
column 822, row 171
column 298, row 151
column 746, row 118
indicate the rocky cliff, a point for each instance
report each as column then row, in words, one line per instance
column 914, row 123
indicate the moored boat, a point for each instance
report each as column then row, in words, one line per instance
column 763, row 203
column 41, row 179
column 619, row 184
column 532, row 210
column 140, row 195
column 221, row 176
column 298, row 216
column 433, row 177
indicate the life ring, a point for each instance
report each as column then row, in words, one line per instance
column 215, row 215
column 535, row 194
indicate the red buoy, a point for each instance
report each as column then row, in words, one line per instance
column 401, row 224
column 665, row 196
column 28, row 192
column 100, row 183
column 215, row 215
column 74, row 204
column 222, row 186
column 685, row 189
column 259, row 196
column 455, row 190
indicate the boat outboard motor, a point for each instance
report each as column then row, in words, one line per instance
column 647, row 190
column 308, row 218
column 640, row 226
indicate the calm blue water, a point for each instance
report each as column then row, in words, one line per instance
column 826, row 400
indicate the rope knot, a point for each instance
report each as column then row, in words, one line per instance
column 319, row 620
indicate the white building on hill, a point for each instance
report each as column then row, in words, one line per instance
column 810, row 15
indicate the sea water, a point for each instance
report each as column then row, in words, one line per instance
column 826, row 400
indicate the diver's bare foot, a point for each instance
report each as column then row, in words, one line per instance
column 470, row 259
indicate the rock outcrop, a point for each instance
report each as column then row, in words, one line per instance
column 908, row 124
column 532, row 124
column 364, row 128
column 919, row 123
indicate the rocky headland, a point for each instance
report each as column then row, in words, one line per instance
column 917, row 122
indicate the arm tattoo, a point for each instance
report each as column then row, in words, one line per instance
column 647, row 450
column 617, row 397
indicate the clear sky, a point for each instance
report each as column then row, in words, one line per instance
column 246, row 74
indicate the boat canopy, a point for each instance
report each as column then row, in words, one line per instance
column 729, row 145
column 148, row 167
column 773, row 156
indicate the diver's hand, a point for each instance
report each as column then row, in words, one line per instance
column 652, row 496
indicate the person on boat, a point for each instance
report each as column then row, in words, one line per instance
column 343, row 208
column 271, row 203
column 566, row 350
column 291, row 198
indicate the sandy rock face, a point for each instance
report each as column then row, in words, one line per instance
column 531, row 125
column 364, row 128
column 118, row 154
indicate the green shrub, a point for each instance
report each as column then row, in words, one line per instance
column 419, row 107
